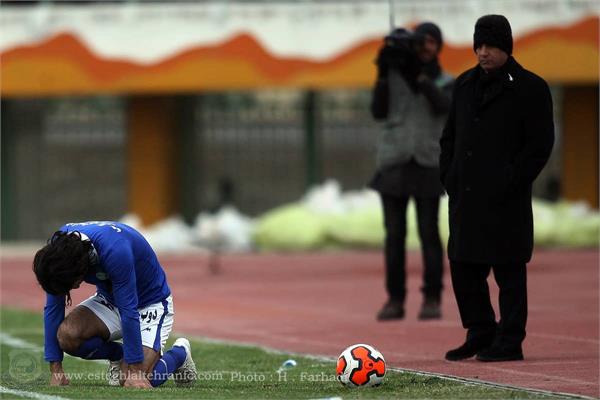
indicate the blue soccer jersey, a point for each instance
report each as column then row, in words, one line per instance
column 125, row 270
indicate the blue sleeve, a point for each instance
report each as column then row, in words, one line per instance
column 54, row 314
column 121, row 268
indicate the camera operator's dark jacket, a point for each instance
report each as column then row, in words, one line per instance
column 414, row 119
column 498, row 137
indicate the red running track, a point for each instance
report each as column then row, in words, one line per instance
column 321, row 303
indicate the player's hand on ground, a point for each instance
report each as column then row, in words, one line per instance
column 57, row 375
column 58, row 379
column 136, row 379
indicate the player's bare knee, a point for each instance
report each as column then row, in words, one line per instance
column 68, row 337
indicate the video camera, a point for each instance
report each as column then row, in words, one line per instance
column 400, row 50
column 404, row 41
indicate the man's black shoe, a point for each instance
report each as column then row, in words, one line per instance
column 391, row 310
column 500, row 353
column 468, row 349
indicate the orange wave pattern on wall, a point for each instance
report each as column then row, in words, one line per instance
column 63, row 65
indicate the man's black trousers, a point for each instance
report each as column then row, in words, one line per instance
column 473, row 298
column 394, row 213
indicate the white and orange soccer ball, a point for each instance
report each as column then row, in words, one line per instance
column 360, row 365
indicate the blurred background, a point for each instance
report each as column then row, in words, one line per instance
column 148, row 110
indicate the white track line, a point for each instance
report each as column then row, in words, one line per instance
column 557, row 362
column 30, row 395
column 13, row 341
column 565, row 338
column 538, row 375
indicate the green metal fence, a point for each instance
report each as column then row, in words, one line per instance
column 64, row 159
column 261, row 149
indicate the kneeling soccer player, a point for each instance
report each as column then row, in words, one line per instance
column 132, row 302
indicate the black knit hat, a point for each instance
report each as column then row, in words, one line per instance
column 429, row 28
column 493, row 30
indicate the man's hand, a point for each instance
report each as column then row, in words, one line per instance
column 57, row 374
column 136, row 377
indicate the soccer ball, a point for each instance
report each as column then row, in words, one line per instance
column 360, row 365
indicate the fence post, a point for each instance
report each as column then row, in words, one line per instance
column 312, row 148
column 7, row 191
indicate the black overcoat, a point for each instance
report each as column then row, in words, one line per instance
column 491, row 152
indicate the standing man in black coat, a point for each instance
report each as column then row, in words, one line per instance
column 498, row 137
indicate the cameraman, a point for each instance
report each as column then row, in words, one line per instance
column 412, row 96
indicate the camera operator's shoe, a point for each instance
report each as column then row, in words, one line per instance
column 185, row 375
column 469, row 348
column 391, row 310
column 430, row 309
column 500, row 353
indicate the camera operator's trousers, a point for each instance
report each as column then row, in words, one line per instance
column 394, row 213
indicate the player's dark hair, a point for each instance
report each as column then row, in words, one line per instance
column 61, row 262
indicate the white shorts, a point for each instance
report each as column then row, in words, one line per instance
column 156, row 320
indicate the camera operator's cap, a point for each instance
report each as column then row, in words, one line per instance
column 493, row 30
column 429, row 28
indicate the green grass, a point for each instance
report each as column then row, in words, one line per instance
column 226, row 372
